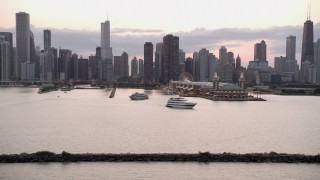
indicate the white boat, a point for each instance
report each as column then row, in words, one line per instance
column 180, row 102
column 139, row 96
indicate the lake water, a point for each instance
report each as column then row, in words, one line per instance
column 82, row 121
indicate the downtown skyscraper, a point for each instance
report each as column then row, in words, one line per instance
column 291, row 48
column 148, row 63
column 260, row 51
column 46, row 39
column 170, row 59
column 134, row 67
column 5, row 38
column 25, row 47
column 307, row 42
column 106, row 52
column 23, row 36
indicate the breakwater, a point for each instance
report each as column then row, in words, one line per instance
column 272, row 157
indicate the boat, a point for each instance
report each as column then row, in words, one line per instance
column 180, row 102
column 138, row 96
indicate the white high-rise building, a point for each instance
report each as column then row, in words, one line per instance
column 291, row 48
column 106, row 52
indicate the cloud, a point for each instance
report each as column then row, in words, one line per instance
column 84, row 42
column 129, row 30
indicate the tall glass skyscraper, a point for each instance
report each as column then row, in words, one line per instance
column 46, row 39
column 23, row 36
column 170, row 66
column 148, row 63
column 307, row 42
column 106, row 52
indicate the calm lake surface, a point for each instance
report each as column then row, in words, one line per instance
column 82, row 121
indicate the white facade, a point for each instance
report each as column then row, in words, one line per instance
column 106, row 50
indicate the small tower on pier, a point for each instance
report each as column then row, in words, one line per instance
column 242, row 81
column 215, row 82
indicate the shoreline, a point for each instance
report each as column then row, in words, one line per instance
column 206, row 157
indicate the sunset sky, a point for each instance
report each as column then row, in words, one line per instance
column 238, row 25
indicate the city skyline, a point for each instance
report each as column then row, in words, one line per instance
column 130, row 37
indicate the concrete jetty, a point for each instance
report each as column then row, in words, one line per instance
column 272, row 157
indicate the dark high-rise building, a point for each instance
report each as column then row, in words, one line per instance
column 73, row 67
column 125, row 57
column 64, row 63
column 5, row 53
column 307, row 42
column 46, row 39
column 134, row 67
column 170, row 58
column 157, row 62
column 8, row 37
column 55, row 73
column 23, row 37
column 33, row 52
column 238, row 62
column 98, row 53
column 189, row 65
column 83, row 69
column 141, row 67
column 260, row 51
column 93, row 68
column 121, row 66
column 222, row 56
column 230, row 59
column 148, row 63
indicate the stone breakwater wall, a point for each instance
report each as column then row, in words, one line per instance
column 45, row 156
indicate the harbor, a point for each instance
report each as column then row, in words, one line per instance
column 215, row 90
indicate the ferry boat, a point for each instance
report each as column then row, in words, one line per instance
column 138, row 96
column 180, row 102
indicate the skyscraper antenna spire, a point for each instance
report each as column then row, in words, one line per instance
column 309, row 11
